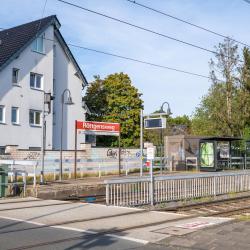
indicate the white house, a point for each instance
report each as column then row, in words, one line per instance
column 34, row 60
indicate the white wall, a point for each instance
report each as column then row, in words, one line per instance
column 64, row 74
column 55, row 67
column 26, row 98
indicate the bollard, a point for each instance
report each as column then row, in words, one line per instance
column 34, row 178
column 126, row 165
column 107, row 194
column 24, row 184
column 99, row 168
column 54, row 174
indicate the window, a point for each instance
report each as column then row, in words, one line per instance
column 15, row 76
column 35, row 117
column 36, row 81
column 38, row 44
column 2, row 114
column 2, row 150
column 15, row 115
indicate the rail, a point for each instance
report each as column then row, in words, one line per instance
column 137, row 191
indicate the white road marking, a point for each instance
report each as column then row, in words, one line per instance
column 77, row 230
column 21, row 220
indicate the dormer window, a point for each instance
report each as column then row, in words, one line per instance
column 38, row 44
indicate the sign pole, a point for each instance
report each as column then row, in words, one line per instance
column 161, row 148
column 75, row 163
column 119, row 154
column 141, row 141
column 150, row 157
column 152, row 183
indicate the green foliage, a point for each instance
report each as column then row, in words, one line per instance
column 225, row 109
column 115, row 99
column 96, row 99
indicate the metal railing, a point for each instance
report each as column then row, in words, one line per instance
column 137, row 191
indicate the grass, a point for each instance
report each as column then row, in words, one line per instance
column 202, row 199
column 232, row 194
column 243, row 217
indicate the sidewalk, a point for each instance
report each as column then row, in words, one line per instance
column 233, row 235
column 134, row 224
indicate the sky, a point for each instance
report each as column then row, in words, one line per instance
column 183, row 92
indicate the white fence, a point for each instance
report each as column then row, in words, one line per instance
column 135, row 191
column 99, row 168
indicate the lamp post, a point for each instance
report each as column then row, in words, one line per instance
column 168, row 113
column 68, row 101
column 47, row 98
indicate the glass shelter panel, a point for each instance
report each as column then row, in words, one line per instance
column 207, row 154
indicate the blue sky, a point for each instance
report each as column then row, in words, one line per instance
column 183, row 92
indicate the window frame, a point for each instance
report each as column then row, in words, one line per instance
column 34, row 124
column 15, row 78
column 17, row 122
column 35, row 44
column 2, row 121
column 35, row 81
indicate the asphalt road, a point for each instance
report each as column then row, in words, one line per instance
column 21, row 235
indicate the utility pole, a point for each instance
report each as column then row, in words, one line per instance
column 141, row 141
column 43, row 141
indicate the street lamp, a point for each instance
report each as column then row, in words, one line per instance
column 68, row 101
column 168, row 113
column 168, row 110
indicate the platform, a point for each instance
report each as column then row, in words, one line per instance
column 127, row 223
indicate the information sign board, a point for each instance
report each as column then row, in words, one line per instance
column 150, row 153
column 154, row 123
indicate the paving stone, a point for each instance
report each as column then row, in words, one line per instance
column 183, row 242
column 229, row 236
column 238, row 229
column 223, row 232
column 174, row 231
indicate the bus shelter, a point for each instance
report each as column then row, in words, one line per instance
column 219, row 153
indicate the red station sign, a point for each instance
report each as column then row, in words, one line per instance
column 98, row 128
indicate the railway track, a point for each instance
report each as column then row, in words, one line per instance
column 99, row 198
column 224, row 208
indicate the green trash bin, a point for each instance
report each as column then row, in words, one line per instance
column 3, row 180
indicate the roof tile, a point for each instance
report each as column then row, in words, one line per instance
column 14, row 39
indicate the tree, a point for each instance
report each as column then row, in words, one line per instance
column 244, row 93
column 96, row 99
column 115, row 99
column 226, row 64
column 223, row 110
column 210, row 118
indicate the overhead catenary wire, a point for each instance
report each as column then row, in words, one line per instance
column 140, row 61
column 132, row 59
column 137, row 60
column 43, row 10
column 142, row 28
column 187, row 22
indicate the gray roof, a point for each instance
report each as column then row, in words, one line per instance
column 14, row 40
